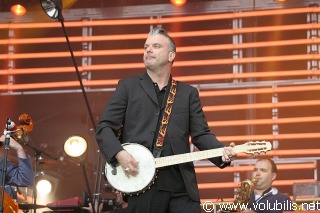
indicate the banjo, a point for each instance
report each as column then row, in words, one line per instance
column 131, row 185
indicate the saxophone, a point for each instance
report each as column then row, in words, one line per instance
column 245, row 192
column 243, row 196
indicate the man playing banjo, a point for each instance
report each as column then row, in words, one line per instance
column 157, row 113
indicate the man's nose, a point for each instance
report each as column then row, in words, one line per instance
column 149, row 49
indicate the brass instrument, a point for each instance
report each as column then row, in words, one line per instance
column 243, row 196
column 245, row 192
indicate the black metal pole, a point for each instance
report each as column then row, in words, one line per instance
column 82, row 164
column 60, row 18
column 77, row 71
column 35, row 194
column 4, row 163
column 98, row 177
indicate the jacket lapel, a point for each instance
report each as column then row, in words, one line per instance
column 147, row 85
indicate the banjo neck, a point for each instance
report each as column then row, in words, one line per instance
column 211, row 153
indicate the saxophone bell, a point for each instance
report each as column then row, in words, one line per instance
column 243, row 196
column 245, row 191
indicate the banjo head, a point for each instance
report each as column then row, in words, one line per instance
column 133, row 184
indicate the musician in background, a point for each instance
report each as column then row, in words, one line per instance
column 266, row 198
column 20, row 174
column 136, row 110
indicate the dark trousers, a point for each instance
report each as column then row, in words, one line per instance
column 154, row 201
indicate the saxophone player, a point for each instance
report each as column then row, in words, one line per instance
column 265, row 197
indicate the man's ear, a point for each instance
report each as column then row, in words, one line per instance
column 172, row 55
column 274, row 175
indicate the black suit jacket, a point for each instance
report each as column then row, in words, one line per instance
column 135, row 106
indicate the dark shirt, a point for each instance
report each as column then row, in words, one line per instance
column 168, row 178
column 17, row 175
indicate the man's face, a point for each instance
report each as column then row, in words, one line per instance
column 262, row 172
column 157, row 52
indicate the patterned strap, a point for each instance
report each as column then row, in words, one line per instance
column 165, row 120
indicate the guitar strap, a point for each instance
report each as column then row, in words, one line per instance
column 165, row 120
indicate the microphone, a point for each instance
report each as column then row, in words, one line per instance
column 19, row 133
column 11, row 126
column 16, row 132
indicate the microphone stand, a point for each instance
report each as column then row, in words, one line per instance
column 61, row 19
column 83, row 165
column 53, row 8
column 4, row 163
column 38, row 153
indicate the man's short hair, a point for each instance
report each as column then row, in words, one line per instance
column 161, row 31
column 274, row 168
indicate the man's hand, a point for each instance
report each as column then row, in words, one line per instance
column 228, row 154
column 89, row 209
column 15, row 145
column 128, row 163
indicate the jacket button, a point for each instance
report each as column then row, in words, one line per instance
column 157, row 114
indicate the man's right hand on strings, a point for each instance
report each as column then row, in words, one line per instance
column 128, row 163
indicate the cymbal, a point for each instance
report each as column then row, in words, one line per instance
column 27, row 206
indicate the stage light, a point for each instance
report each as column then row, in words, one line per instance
column 75, row 146
column 18, row 10
column 44, row 187
column 178, row 2
column 53, row 8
